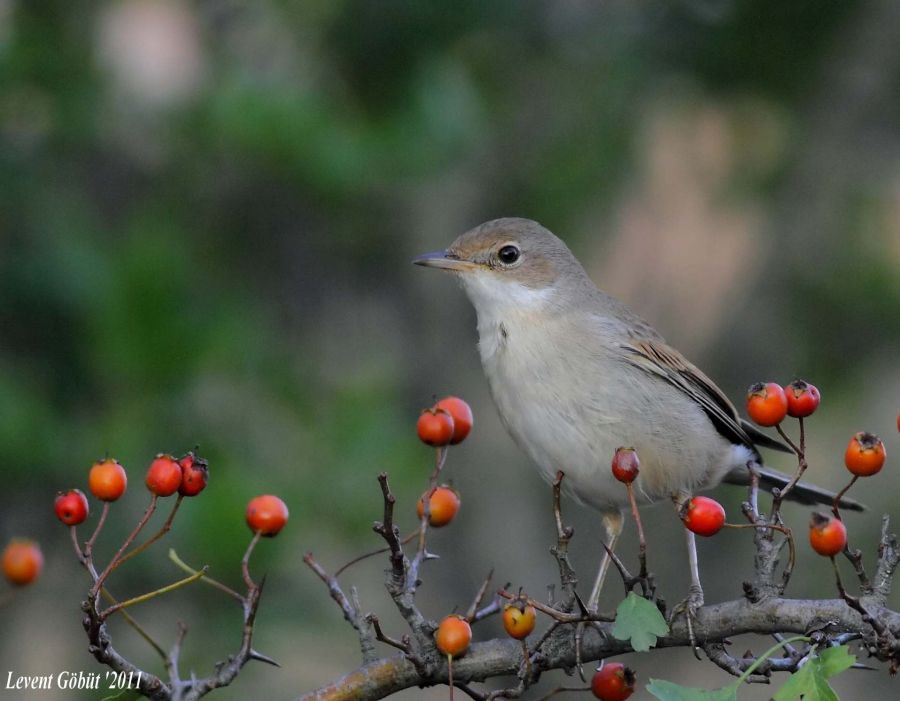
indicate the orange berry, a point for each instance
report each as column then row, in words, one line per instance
column 194, row 475
column 435, row 427
column 865, row 454
column 519, row 619
column 453, row 635
column 462, row 417
column 72, row 507
column 767, row 403
column 442, row 506
column 827, row 535
column 107, row 480
column 267, row 515
column 163, row 475
column 703, row 516
column 22, row 561
column 803, row 398
column 613, row 682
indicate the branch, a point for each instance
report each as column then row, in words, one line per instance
column 713, row 624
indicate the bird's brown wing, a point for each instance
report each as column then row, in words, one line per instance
column 667, row 363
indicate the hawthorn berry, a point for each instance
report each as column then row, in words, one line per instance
column 703, row 516
column 519, row 619
column 442, row 506
column 827, row 534
column 71, row 507
column 613, row 682
column 194, row 475
column 461, row 413
column 803, row 398
column 865, row 454
column 163, row 475
column 453, row 635
column 107, row 479
column 625, row 465
column 266, row 515
column 22, row 561
column 435, row 427
column 767, row 403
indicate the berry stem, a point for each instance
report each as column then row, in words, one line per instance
column 152, row 594
column 800, row 452
column 173, row 556
column 450, row 674
column 89, row 546
column 642, row 542
column 128, row 541
column 840, row 495
column 166, row 527
column 245, row 561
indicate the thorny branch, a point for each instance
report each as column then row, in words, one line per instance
column 575, row 634
column 96, row 618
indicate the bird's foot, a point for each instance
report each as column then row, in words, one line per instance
column 689, row 608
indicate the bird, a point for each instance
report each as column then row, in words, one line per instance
column 575, row 374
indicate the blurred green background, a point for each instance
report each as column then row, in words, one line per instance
column 207, row 213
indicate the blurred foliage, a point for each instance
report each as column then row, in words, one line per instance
column 208, row 211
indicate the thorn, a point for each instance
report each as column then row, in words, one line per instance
column 254, row 655
column 581, row 607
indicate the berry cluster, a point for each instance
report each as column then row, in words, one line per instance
column 768, row 404
column 187, row 476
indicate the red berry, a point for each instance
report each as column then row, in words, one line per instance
column 462, row 417
column 194, row 475
column 71, row 507
column 827, row 535
column 766, row 403
column 703, row 516
column 267, row 515
column 865, row 454
column 803, row 398
column 435, row 427
column 163, row 475
column 107, row 480
column 442, row 506
column 613, row 682
column 22, row 561
column 518, row 619
column 625, row 465
column 453, row 635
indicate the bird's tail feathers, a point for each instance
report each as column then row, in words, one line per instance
column 802, row 492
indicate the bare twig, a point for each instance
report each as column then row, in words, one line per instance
column 166, row 527
column 98, row 583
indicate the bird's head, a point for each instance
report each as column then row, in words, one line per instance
column 512, row 262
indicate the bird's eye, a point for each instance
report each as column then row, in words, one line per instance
column 509, row 254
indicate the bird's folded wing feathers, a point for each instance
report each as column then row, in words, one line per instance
column 667, row 363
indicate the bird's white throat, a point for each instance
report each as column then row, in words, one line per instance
column 501, row 303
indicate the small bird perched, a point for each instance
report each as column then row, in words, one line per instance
column 575, row 374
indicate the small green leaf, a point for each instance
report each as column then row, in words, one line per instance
column 668, row 691
column 810, row 681
column 639, row 621
column 834, row 660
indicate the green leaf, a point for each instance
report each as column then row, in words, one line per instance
column 668, row 691
column 835, row 660
column 810, row 681
column 639, row 621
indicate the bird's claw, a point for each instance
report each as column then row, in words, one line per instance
column 689, row 607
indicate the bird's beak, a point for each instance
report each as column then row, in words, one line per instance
column 444, row 260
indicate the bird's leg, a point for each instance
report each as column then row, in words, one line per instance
column 694, row 600
column 612, row 525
